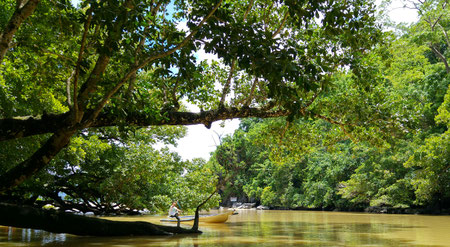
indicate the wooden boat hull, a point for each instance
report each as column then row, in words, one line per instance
column 214, row 218
column 218, row 218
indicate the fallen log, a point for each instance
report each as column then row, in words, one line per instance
column 61, row 222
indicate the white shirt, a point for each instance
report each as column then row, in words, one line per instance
column 173, row 210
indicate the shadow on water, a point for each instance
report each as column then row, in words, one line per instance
column 246, row 233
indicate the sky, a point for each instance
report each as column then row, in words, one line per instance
column 398, row 13
column 200, row 141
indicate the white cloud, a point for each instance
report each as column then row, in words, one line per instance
column 182, row 25
column 200, row 141
column 398, row 13
column 202, row 55
column 75, row 2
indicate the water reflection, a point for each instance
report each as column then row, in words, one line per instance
column 311, row 234
column 270, row 228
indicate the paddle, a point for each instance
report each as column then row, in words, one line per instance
column 179, row 207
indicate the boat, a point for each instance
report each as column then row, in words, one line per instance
column 209, row 218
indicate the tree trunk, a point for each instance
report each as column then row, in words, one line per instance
column 196, row 218
column 36, row 162
column 443, row 59
column 60, row 222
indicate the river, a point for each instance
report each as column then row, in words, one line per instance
column 269, row 228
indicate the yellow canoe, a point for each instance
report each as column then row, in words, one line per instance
column 215, row 218
column 211, row 218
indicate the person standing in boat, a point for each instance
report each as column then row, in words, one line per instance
column 174, row 212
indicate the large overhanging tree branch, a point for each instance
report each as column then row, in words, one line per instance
column 28, row 126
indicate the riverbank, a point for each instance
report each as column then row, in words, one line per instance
column 372, row 209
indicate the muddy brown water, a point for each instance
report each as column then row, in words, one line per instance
column 269, row 228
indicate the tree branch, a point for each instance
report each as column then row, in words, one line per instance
column 443, row 59
column 252, row 90
column 37, row 161
column 90, row 85
column 80, row 57
column 68, row 82
column 347, row 134
column 19, row 16
column 156, row 9
column 19, row 127
column 188, row 118
column 436, row 22
column 445, row 34
column 226, row 88
column 62, row 136
column 281, row 25
column 182, row 44
column 197, row 216
column 139, row 50
column 54, row 53
column 250, row 5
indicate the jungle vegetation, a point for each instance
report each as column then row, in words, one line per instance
column 391, row 149
column 336, row 111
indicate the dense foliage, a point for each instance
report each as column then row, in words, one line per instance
column 80, row 86
column 389, row 146
column 111, row 171
column 358, row 117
